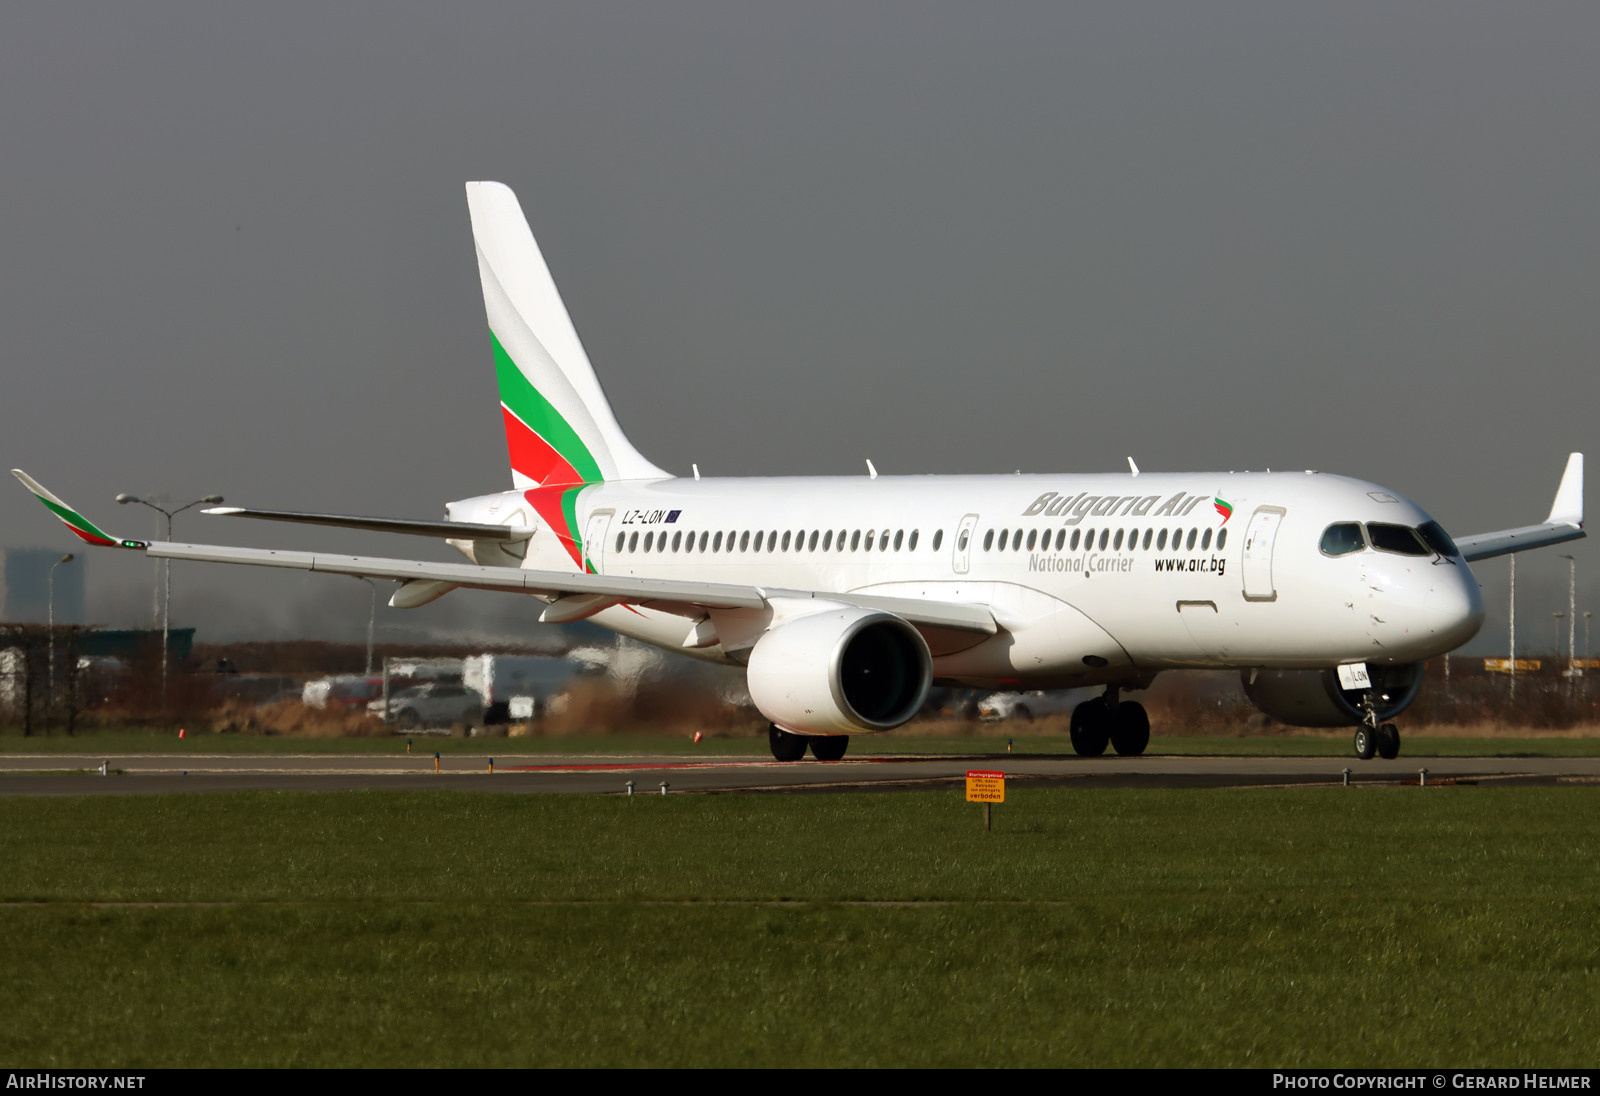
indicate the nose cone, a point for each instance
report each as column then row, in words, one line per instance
column 1453, row 607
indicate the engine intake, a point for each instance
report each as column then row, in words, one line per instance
column 1313, row 698
column 841, row 671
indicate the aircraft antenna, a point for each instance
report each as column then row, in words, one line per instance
column 872, row 473
column 1134, row 468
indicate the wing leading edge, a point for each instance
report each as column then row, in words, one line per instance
column 572, row 596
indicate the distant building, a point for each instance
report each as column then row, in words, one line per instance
column 25, row 586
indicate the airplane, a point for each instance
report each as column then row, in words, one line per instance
column 845, row 599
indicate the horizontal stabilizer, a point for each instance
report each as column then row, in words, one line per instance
column 462, row 530
column 1564, row 523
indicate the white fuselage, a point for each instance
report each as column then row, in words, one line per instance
column 1116, row 576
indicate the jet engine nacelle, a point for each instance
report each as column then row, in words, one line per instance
column 1313, row 698
column 845, row 670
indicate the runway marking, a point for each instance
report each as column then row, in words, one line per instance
column 559, row 903
column 634, row 766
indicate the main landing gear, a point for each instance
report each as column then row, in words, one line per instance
column 1373, row 737
column 1104, row 721
column 792, row 747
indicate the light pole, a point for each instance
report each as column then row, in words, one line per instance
column 1572, row 610
column 51, row 614
column 166, row 570
column 372, row 617
column 1512, row 640
column 1559, row 617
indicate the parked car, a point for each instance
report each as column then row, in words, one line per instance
column 340, row 691
column 436, row 704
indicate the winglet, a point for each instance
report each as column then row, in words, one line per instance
column 82, row 528
column 1568, row 507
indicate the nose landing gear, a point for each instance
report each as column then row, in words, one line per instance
column 1372, row 737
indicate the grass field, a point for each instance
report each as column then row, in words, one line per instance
column 1386, row 927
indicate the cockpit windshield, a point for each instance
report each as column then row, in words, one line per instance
column 1342, row 538
column 1439, row 540
column 1401, row 539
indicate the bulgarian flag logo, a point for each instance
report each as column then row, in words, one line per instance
column 1223, row 508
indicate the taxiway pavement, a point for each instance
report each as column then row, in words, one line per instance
column 599, row 774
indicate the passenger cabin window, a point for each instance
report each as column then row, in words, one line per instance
column 1341, row 538
column 1104, row 534
column 827, row 541
column 1033, row 536
column 1147, row 540
column 938, row 538
column 911, row 544
column 1205, row 541
column 1004, row 533
column 1075, row 538
column 812, row 546
column 1222, row 539
column 1189, row 544
column 1436, row 538
column 1400, row 539
column 1161, row 541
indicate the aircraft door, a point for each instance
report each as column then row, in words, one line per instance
column 594, row 539
column 1258, row 541
column 961, row 549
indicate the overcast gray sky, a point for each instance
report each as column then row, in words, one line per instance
column 235, row 256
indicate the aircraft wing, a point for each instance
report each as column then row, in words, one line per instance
column 1564, row 523
column 571, row 596
column 464, row 530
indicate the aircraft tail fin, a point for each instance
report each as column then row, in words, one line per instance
column 1564, row 523
column 560, row 429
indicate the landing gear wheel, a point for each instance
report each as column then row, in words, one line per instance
column 1130, row 728
column 829, row 747
column 785, row 746
column 1388, row 741
column 1366, row 743
column 1090, row 730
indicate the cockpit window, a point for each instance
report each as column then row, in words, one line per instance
column 1342, row 538
column 1397, row 538
column 1436, row 538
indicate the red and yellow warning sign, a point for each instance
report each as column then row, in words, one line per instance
column 985, row 787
